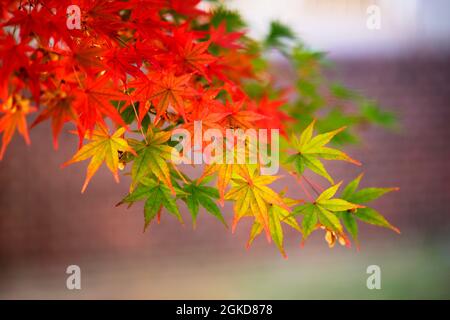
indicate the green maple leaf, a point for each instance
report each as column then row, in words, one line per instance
column 323, row 211
column 277, row 215
column 196, row 195
column 311, row 149
column 152, row 158
column 157, row 196
column 366, row 214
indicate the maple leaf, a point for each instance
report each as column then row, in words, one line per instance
column 152, row 157
column 366, row 214
column 235, row 116
column 15, row 110
column 29, row 21
column 221, row 37
column 277, row 215
column 146, row 18
column 233, row 67
column 85, row 56
column 158, row 196
column 141, row 92
column 13, row 56
column 322, row 212
column 120, row 63
column 169, row 90
column 208, row 119
column 33, row 73
column 311, row 149
column 225, row 170
column 195, row 56
column 201, row 108
column 273, row 117
column 102, row 148
column 186, row 7
column 197, row 194
column 102, row 17
column 93, row 101
column 253, row 197
column 59, row 108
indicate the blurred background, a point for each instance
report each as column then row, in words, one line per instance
column 46, row 224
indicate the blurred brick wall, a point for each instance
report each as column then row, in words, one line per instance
column 417, row 158
column 43, row 214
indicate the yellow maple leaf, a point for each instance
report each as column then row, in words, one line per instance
column 102, row 148
column 252, row 197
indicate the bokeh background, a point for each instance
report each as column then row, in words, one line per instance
column 46, row 224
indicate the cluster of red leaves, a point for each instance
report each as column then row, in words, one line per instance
column 142, row 52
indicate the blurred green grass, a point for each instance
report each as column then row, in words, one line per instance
column 408, row 271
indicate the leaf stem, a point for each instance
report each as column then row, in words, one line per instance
column 137, row 117
column 300, row 182
column 315, row 185
column 311, row 185
column 180, row 174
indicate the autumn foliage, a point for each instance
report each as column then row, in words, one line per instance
column 138, row 69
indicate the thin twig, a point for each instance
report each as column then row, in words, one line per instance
column 311, row 185
column 300, row 182
column 316, row 185
column 180, row 174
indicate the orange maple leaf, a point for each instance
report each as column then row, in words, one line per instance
column 15, row 110
column 169, row 90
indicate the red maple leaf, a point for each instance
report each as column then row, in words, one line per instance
column 221, row 37
column 236, row 116
column 163, row 89
column 13, row 56
column 195, row 57
column 85, row 57
column 121, row 62
column 201, row 108
column 93, row 102
column 59, row 108
column 274, row 118
column 186, row 7
column 102, row 18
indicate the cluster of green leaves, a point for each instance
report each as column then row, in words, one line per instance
column 334, row 213
column 160, row 185
column 310, row 150
column 337, row 104
column 364, row 213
